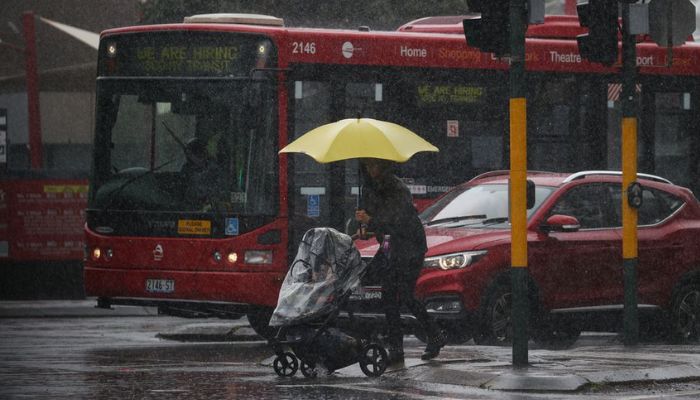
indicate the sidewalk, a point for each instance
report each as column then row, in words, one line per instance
column 556, row 371
column 596, row 359
column 564, row 371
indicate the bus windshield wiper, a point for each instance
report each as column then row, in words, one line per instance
column 188, row 152
column 117, row 191
column 455, row 219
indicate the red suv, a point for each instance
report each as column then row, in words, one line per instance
column 574, row 258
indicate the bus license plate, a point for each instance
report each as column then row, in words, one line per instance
column 160, row 285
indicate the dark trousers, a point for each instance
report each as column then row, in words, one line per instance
column 398, row 284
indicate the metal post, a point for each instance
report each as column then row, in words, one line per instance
column 629, row 175
column 518, row 184
column 32, row 76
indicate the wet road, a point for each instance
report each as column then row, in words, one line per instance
column 121, row 358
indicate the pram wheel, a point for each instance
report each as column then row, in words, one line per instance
column 285, row 364
column 308, row 370
column 373, row 360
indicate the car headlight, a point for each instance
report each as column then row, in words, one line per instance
column 454, row 260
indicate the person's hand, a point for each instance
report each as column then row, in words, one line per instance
column 362, row 217
column 362, row 234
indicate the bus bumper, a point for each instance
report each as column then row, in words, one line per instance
column 240, row 290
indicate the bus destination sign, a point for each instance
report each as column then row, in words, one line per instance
column 196, row 54
column 168, row 60
column 450, row 94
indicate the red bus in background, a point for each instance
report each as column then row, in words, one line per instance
column 190, row 207
column 42, row 220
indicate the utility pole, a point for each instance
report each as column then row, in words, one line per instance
column 501, row 30
column 599, row 45
column 518, row 183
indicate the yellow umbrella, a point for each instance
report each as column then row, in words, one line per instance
column 359, row 138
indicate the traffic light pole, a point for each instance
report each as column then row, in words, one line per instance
column 518, row 184
column 629, row 175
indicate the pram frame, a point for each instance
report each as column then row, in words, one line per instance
column 315, row 326
column 371, row 355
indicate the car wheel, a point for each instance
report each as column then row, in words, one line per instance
column 496, row 327
column 685, row 313
column 556, row 335
column 259, row 319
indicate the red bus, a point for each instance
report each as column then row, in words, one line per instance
column 42, row 218
column 192, row 209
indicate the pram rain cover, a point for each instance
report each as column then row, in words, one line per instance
column 327, row 266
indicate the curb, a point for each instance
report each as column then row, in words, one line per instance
column 212, row 332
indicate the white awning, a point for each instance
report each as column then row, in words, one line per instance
column 90, row 38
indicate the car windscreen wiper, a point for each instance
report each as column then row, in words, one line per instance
column 494, row 221
column 455, row 219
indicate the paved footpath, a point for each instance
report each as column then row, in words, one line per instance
column 596, row 359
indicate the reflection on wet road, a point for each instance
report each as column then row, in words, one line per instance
column 121, row 358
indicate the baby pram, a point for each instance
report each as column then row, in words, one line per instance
column 326, row 268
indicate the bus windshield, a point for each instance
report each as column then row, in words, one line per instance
column 185, row 145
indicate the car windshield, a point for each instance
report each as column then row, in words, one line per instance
column 185, row 145
column 478, row 206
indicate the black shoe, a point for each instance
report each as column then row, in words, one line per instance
column 432, row 350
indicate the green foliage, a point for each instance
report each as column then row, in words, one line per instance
column 377, row 14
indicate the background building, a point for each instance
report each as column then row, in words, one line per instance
column 41, row 206
column 66, row 68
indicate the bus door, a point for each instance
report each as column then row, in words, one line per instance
column 567, row 122
column 668, row 145
column 462, row 113
column 465, row 116
column 326, row 194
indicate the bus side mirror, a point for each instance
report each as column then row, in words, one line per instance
column 530, row 194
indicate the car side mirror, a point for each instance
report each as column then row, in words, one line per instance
column 530, row 194
column 561, row 223
column 635, row 196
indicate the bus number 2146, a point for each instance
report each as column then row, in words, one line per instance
column 304, row 47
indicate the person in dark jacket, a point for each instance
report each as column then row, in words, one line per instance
column 387, row 211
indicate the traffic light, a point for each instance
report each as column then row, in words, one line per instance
column 599, row 45
column 491, row 31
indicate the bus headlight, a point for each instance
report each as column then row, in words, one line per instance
column 258, row 257
column 232, row 257
column 112, row 49
column 96, row 253
column 454, row 260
